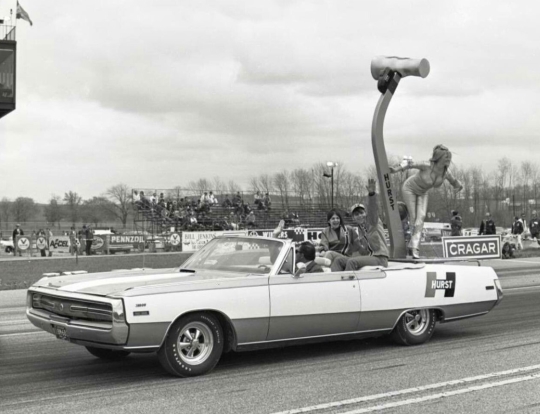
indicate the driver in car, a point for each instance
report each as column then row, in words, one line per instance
column 306, row 255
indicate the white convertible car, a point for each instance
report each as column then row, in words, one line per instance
column 238, row 293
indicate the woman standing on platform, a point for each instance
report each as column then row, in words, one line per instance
column 415, row 189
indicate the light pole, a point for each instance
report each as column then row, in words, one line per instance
column 331, row 176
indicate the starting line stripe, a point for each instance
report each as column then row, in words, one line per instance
column 444, row 394
column 414, row 390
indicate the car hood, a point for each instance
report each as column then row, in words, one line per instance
column 117, row 282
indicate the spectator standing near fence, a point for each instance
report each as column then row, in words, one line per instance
column 49, row 238
column 534, row 226
column 456, row 223
column 72, row 240
column 88, row 235
column 17, row 232
column 517, row 230
column 487, row 226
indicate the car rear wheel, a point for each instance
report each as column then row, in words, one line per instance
column 193, row 345
column 415, row 327
column 108, row 354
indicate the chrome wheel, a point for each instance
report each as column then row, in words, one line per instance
column 195, row 343
column 417, row 321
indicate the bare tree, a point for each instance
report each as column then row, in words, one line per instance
column 120, row 206
column 5, row 210
column 283, row 186
column 233, row 187
column 53, row 211
column 72, row 205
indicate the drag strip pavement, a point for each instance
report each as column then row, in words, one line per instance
column 486, row 364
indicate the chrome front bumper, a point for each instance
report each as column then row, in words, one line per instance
column 98, row 333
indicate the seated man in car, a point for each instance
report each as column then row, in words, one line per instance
column 306, row 254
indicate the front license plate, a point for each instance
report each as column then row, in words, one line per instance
column 61, row 333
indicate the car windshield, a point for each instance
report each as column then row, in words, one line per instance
column 235, row 254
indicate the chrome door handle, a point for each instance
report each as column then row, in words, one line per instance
column 348, row 277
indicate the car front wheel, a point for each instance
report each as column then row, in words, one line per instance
column 193, row 345
column 415, row 327
column 108, row 354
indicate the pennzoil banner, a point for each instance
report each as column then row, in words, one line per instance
column 122, row 239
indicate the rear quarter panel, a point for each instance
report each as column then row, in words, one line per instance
column 383, row 300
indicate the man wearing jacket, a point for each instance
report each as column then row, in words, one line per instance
column 17, row 232
column 306, row 254
column 487, row 226
column 371, row 231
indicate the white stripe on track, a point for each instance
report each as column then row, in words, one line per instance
column 409, row 390
column 444, row 394
column 22, row 333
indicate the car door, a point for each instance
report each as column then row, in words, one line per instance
column 314, row 304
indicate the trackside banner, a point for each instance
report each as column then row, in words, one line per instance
column 59, row 244
column 194, row 240
column 474, row 247
column 298, row 234
column 121, row 239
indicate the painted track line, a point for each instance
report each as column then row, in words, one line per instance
column 444, row 394
column 339, row 404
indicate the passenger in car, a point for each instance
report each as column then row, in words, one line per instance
column 371, row 233
column 338, row 240
column 306, row 254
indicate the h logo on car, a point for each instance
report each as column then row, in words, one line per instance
column 448, row 284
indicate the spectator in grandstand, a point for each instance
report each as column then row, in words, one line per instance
column 295, row 219
column 246, row 208
column 144, row 201
column 250, row 220
column 267, row 201
column 204, row 198
column 534, row 226
column 212, row 199
column 237, row 199
column 161, row 197
column 153, row 199
column 257, row 200
column 456, row 223
column 371, row 236
column 227, row 202
column 338, row 239
column 136, row 198
column 17, row 232
column 517, row 231
column 487, row 226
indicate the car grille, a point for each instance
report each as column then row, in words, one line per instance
column 73, row 308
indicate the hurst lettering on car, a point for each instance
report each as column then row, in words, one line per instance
column 448, row 284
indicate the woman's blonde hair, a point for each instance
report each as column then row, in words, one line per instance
column 438, row 152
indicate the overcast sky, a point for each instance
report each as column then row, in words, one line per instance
column 158, row 93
